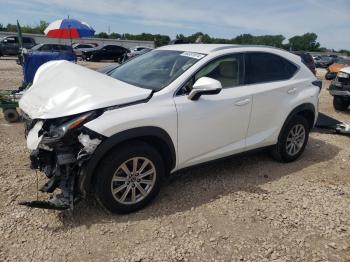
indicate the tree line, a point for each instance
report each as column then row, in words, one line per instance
column 305, row 42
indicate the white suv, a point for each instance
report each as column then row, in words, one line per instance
column 119, row 135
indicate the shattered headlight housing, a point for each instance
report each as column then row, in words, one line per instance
column 56, row 133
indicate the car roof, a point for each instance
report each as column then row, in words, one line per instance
column 199, row 48
column 211, row 48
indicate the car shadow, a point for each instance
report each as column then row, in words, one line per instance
column 196, row 186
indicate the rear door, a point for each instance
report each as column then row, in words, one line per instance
column 216, row 125
column 268, row 75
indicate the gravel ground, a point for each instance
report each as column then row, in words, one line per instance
column 246, row 208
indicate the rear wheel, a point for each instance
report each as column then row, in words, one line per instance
column 129, row 177
column 292, row 140
column 340, row 103
column 11, row 115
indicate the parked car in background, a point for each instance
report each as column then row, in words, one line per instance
column 138, row 51
column 177, row 106
column 324, row 61
column 107, row 52
column 340, row 89
column 79, row 48
column 307, row 59
column 9, row 45
column 52, row 48
column 334, row 68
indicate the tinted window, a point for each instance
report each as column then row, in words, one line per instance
column 10, row 40
column 64, row 48
column 227, row 70
column 111, row 47
column 27, row 40
column 83, row 46
column 265, row 67
column 45, row 48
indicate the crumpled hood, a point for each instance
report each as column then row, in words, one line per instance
column 62, row 88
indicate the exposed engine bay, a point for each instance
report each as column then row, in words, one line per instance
column 59, row 148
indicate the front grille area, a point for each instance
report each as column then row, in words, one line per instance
column 344, row 81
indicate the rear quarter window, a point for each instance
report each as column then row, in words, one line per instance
column 267, row 67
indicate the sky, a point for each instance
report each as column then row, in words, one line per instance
column 329, row 19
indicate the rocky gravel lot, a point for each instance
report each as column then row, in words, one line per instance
column 246, row 208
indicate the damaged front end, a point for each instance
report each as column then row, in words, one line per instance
column 60, row 148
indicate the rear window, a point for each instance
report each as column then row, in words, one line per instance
column 266, row 67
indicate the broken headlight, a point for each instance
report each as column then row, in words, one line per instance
column 56, row 133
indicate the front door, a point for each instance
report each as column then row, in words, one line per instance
column 216, row 125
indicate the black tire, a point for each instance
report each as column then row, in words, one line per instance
column 340, row 104
column 11, row 115
column 110, row 164
column 280, row 152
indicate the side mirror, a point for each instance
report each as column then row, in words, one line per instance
column 204, row 86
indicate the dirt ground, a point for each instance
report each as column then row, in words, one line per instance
column 248, row 208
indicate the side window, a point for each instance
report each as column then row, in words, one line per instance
column 27, row 40
column 10, row 40
column 266, row 67
column 110, row 47
column 227, row 70
column 45, row 48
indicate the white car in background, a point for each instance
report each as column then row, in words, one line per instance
column 177, row 106
column 79, row 48
column 139, row 50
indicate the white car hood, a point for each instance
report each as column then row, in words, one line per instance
column 62, row 88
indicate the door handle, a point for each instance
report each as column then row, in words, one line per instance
column 292, row 91
column 242, row 102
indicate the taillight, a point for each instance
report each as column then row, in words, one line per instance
column 318, row 83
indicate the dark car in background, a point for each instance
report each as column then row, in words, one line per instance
column 9, row 45
column 107, row 52
column 324, row 61
column 307, row 59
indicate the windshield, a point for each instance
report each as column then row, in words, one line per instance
column 156, row 69
column 37, row 47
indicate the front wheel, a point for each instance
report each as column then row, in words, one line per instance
column 340, row 104
column 129, row 177
column 292, row 140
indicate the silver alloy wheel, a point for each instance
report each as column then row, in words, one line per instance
column 133, row 180
column 295, row 139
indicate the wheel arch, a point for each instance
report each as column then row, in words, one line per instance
column 153, row 136
column 307, row 110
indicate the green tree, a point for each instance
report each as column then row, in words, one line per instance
column 343, row 51
column 102, row 35
column 114, row 36
column 305, row 42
